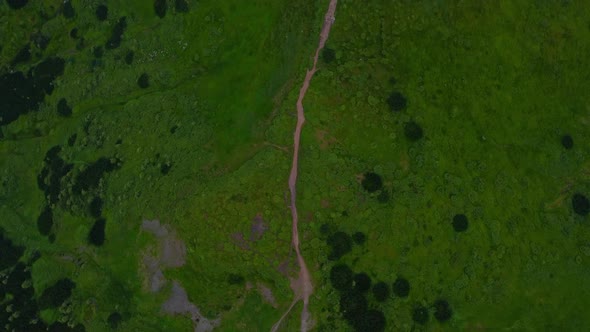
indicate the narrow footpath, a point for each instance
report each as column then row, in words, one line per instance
column 302, row 286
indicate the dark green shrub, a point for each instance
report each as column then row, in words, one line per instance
column 95, row 207
column 328, row 55
column 90, row 177
column 413, row 131
column 114, row 320
column 143, row 81
column 580, row 204
column 341, row 277
column 235, row 279
column 96, row 236
column 129, row 57
column 10, row 254
column 383, row 196
column 372, row 182
column 401, row 287
column 68, row 9
column 352, row 304
column 567, row 142
column 17, row 4
column 372, row 321
column 442, row 310
column 381, row 291
column 341, row 244
column 397, row 102
column 362, row 282
column 460, row 223
column 420, row 314
column 102, row 12
column 359, row 238
column 45, row 221
column 55, row 295
column 160, row 7
column 181, row 6
column 117, row 34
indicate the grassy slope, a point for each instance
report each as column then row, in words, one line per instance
column 494, row 88
column 216, row 74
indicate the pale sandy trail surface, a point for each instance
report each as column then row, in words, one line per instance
column 302, row 286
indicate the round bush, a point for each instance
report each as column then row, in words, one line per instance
column 63, row 108
column 372, row 321
column 114, row 320
column 381, row 291
column 362, row 282
column 460, row 223
column 98, row 52
column 397, row 102
column 341, row 244
column 143, row 81
column 359, row 238
column 341, row 277
column 160, row 8
column 17, row 4
column 352, row 304
column 181, row 6
column 383, row 196
column 68, row 9
column 401, row 287
column 329, row 55
column 235, row 279
column 372, row 182
column 129, row 57
column 442, row 310
column 580, row 204
column 102, row 12
column 420, row 315
column 413, row 131
column 567, row 142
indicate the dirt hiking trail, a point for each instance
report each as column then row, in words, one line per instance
column 302, row 286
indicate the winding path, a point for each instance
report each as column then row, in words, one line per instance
column 302, row 286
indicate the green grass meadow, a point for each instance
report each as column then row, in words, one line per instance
column 207, row 147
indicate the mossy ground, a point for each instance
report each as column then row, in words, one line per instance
column 493, row 86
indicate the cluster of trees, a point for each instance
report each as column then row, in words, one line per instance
column 89, row 178
column 50, row 181
column 341, row 243
column 56, row 294
column 161, row 7
column 52, row 173
column 117, row 34
column 19, row 309
column 397, row 102
column 442, row 312
column 22, row 93
column 353, row 303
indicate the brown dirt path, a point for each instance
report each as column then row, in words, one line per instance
column 302, row 286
